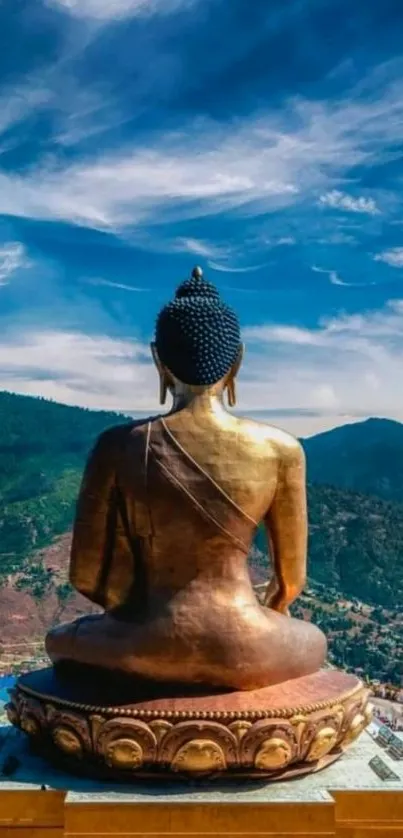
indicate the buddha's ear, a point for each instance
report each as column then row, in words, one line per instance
column 163, row 372
column 237, row 363
column 156, row 358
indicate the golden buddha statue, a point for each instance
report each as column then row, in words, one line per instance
column 166, row 516
column 185, row 671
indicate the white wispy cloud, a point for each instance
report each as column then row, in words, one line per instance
column 122, row 286
column 254, row 165
column 346, row 365
column 78, row 369
column 19, row 102
column 337, row 239
column 342, row 201
column 200, row 248
column 130, row 189
column 12, row 257
column 334, row 278
column 286, row 240
column 105, row 10
column 227, row 269
column 392, row 257
column 75, row 112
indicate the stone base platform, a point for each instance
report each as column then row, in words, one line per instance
column 348, row 800
column 104, row 728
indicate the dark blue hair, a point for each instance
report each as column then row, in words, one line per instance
column 197, row 335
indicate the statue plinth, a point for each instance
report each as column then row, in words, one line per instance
column 286, row 730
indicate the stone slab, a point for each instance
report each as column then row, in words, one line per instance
column 347, row 800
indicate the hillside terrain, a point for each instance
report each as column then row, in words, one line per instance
column 363, row 457
column 355, row 544
column 43, row 447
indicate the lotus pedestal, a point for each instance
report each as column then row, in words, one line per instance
column 126, row 731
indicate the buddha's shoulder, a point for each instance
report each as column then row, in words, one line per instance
column 273, row 439
column 117, row 435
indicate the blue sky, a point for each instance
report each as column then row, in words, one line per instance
column 260, row 140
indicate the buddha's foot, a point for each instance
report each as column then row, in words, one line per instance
column 293, row 728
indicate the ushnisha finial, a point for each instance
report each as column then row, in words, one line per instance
column 197, row 273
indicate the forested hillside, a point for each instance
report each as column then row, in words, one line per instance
column 43, row 447
column 364, row 457
column 355, row 544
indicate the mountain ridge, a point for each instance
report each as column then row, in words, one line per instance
column 364, row 457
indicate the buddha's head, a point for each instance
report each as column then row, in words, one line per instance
column 197, row 347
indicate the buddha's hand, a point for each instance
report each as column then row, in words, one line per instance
column 281, row 607
column 275, row 600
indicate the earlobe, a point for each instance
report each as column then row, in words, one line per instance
column 240, row 357
column 161, row 373
column 230, row 387
column 156, row 358
column 231, row 392
column 163, row 389
column 238, row 362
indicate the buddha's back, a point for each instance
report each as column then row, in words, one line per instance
column 240, row 455
column 206, row 480
column 197, row 483
column 165, row 522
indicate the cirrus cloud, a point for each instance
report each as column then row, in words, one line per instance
column 392, row 257
column 342, row 201
column 346, row 366
column 94, row 371
column 12, row 257
column 256, row 164
column 105, row 10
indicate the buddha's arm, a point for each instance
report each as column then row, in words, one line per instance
column 287, row 530
column 92, row 521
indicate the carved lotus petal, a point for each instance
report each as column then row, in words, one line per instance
column 125, row 754
column 274, row 753
column 257, row 749
column 74, row 728
column 322, row 743
column 68, row 740
column 199, row 731
column 199, row 756
column 123, row 739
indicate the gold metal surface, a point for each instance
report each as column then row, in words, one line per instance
column 165, row 519
column 323, row 742
column 273, row 754
column 124, row 753
column 358, row 724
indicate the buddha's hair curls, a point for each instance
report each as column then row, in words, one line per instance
column 197, row 335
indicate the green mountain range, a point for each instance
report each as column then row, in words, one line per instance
column 363, row 457
column 43, row 448
column 356, row 524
